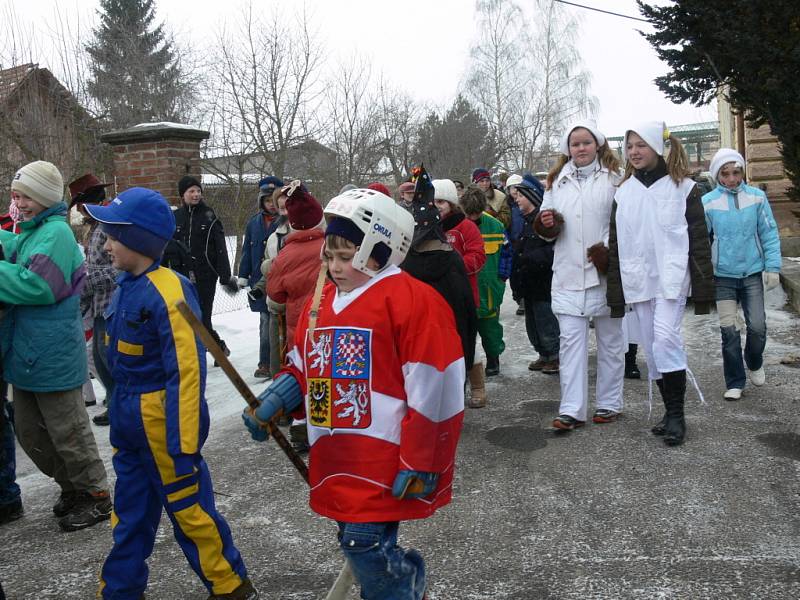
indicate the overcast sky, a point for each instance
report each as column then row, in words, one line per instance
column 401, row 36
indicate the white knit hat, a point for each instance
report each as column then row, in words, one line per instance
column 445, row 189
column 722, row 158
column 654, row 133
column 513, row 180
column 41, row 181
column 588, row 124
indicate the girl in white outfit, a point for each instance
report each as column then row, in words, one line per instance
column 576, row 212
column 659, row 254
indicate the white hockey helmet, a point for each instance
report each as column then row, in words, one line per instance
column 380, row 219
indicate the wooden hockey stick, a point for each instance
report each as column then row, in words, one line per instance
column 241, row 386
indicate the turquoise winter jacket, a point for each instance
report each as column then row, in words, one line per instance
column 744, row 234
column 41, row 278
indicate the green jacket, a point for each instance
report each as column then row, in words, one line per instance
column 41, row 278
column 490, row 286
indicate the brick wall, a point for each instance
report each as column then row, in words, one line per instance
column 155, row 156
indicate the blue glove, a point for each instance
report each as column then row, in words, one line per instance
column 282, row 394
column 414, row 484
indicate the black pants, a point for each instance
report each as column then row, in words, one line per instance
column 207, row 289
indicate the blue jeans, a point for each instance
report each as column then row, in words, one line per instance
column 263, row 339
column 100, row 353
column 542, row 328
column 383, row 569
column 749, row 292
column 9, row 490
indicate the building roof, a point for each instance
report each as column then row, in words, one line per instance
column 11, row 78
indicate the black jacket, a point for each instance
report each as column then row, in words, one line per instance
column 532, row 268
column 198, row 228
column 444, row 271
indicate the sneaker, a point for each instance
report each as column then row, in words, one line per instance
column 11, row 512
column 732, row 394
column 536, row 365
column 262, row 372
column 604, row 415
column 245, row 591
column 567, row 423
column 90, row 510
column 551, row 367
column 101, row 419
column 66, row 502
column 758, row 377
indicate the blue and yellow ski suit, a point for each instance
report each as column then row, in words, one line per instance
column 159, row 422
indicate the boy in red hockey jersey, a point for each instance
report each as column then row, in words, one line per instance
column 382, row 375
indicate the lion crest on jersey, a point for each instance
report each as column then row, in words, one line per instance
column 337, row 362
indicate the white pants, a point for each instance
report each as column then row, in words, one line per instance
column 660, row 335
column 574, row 364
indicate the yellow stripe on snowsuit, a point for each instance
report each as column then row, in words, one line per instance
column 130, row 349
column 169, row 287
column 492, row 242
column 193, row 520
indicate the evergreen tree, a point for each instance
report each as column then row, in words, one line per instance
column 136, row 76
column 453, row 145
column 747, row 50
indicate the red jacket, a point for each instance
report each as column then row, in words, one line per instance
column 383, row 378
column 466, row 239
column 294, row 272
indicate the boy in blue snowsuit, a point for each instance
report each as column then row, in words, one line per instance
column 158, row 414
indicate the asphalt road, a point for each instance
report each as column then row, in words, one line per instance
column 603, row 512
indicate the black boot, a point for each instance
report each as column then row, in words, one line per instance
column 631, row 369
column 225, row 349
column 675, row 392
column 658, row 428
column 492, row 366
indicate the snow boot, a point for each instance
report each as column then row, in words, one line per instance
column 658, row 428
column 102, row 419
column 262, row 372
column 298, row 436
column 11, row 511
column 492, row 366
column 477, row 386
column 631, row 368
column 225, row 350
column 245, row 591
column 675, row 392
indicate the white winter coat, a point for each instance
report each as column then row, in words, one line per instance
column 653, row 239
column 578, row 289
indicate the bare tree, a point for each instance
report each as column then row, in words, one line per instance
column 266, row 85
column 563, row 83
column 398, row 118
column 497, row 72
column 355, row 132
column 528, row 84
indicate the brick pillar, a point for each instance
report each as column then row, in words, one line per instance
column 155, row 155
